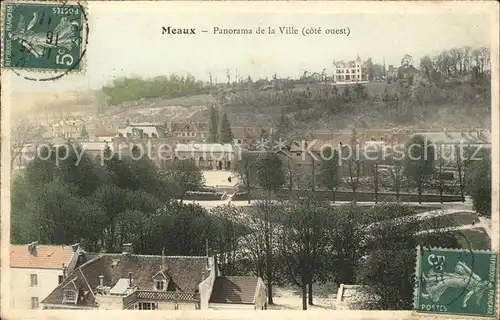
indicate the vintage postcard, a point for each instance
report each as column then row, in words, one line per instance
column 216, row 159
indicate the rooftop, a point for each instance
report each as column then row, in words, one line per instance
column 184, row 272
column 240, row 290
column 42, row 256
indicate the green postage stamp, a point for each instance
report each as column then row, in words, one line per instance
column 41, row 36
column 456, row 281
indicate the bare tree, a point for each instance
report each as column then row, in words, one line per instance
column 23, row 133
column 260, row 246
column 460, row 169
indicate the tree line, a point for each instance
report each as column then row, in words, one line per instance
column 302, row 241
column 103, row 206
column 420, row 170
column 134, row 88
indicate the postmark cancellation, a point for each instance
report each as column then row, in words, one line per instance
column 456, row 282
column 44, row 37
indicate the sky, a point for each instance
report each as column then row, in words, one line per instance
column 125, row 39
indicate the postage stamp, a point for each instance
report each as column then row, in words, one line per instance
column 44, row 37
column 456, row 282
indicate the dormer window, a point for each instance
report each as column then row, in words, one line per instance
column 160, row 285
column 160, row 281
column 69, row 296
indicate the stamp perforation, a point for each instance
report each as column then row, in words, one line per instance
column 416, row 291
column 28, row 72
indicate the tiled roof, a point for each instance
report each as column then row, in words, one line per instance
column 239, row 290
column 185, row 274
column 102, row 132
column 190, row 126
column 47, row 256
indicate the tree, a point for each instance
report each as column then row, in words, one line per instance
column 419, row 162
column 304, row 241
column 347, row 231
column 227, row 231
column 359, row 89
column 269, row 173
column 246, row 170
column 388, row 269
column 460, row 169
column 225, row 133
column 260, row 247
column 396, row 175
column 440, row 172
column 135, row 88
column 84, row 134
column 478, row 182
column 353, row 174
column 330, row 175
column 184, row 175
column 23, row 134
column 214, row 125
column 375, row 180
column 407, row 61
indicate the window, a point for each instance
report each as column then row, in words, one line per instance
column 176, row 307
column 159, row 285
column 34, row 280
column 147, row 306
column 69, row 295
column 60, row 279
column 34, row 303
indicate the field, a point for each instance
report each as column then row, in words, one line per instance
column 454, row 220
column 475, row 239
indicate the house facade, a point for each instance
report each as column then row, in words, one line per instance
column 209, row 156
column 142, row 130
column 190, row 131
column 36, row 270
column 129, row 281
column 350, row 71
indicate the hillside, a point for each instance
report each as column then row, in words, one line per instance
column 374, row 105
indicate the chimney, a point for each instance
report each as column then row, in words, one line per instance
column 130, row 280
column 127, row 248
column 75, row 247
column 101, row 281
column 163, row 259
column 32, row 248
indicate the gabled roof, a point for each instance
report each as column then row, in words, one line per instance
column 185, row 273
column 190, row 126
column 240, row 290
column 47, row 256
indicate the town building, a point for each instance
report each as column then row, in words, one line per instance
column 189, row 131
column 142, row 130
column 248, row 135
column 102, row 134
column 350, row 71
column 68, row 129
column 36, row 270
column 209, row 156
column 110, row 281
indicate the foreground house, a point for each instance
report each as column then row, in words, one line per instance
column 153, row 282
column 36, row 270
